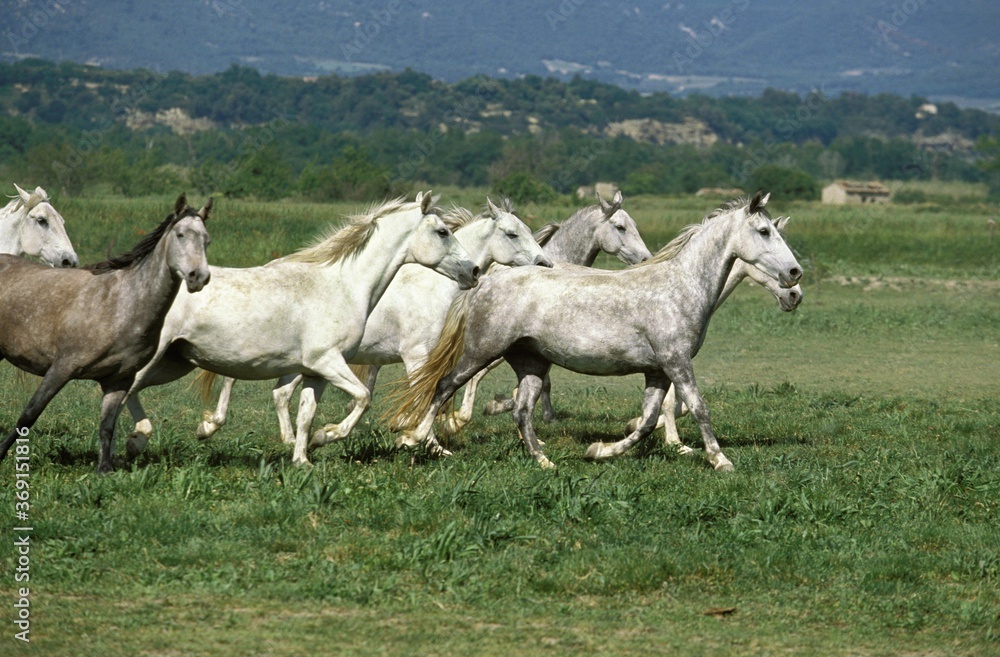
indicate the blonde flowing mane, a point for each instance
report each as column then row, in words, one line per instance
column 677, row 244
column 350, row 238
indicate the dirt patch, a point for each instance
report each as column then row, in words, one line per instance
column 902, row 283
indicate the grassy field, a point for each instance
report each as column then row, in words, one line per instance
column 862, row 517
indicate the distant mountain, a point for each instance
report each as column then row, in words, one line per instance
column 935, row 49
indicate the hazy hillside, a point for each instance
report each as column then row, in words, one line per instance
column 716, row 46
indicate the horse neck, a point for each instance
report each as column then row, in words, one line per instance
column 475, row 239
column 574, row 241
column 705, row 264
column 369, row 272
column 10, row 233
column 152, row 284
column 734, row 278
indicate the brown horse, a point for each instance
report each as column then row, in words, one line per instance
column 101, row 322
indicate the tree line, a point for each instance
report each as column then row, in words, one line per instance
column 240, row 133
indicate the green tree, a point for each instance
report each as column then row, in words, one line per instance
column 784, row 183
column 521, row 187
column 351, row 177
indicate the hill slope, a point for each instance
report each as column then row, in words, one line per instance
column 714, row 46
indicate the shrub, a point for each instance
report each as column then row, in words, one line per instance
column 784, row 183
column 521, row 187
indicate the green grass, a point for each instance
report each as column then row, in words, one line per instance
column 862, row 517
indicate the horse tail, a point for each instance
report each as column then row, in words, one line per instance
column 204, row 381
column 362, row 372
column 409, row 404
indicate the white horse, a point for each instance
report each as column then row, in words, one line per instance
column 305, row 313
column 649, row 320
column 605, row 227
column 30, row 226
column 788, row 300
column 407, row 321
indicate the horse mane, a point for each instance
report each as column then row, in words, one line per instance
column 457, row 217
column 544, row 234
column 349, row 239
column 676, row 245
column 143, row 248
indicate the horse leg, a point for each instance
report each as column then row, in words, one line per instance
column 111, row 407
column 157, row 371
column 468, row 366
column 337, row 372
column 212, row 422
column 531, row 371
column 53, row 381
column 683, row 378
column 282, row 396
column 546, row 399
column 143, row 431
column 460, row 418
column 312, row 391
column 672, row 409
column 652, row 402
column 373, row 371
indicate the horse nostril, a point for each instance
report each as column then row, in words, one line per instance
column 66, row 262
column 475, row 272
column 795, row 273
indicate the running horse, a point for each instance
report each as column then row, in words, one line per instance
column 649, row 320
column 100, row 322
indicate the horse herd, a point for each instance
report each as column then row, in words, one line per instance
column 450, row 294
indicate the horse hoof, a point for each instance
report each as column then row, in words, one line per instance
column 407, row 442
column 206, row 429
column 134, row 446
column 546, row 464
column 438, row 452
column 684, row 450
column 595, row 452
column 318, row 438
column 105, row 468
column 493, row 408
column 724, row 466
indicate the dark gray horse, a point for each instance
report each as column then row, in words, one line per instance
column 649, row 319
column 101, row 322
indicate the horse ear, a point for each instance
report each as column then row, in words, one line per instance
column 425, row 201
column 780, row 223
column 206, row 210
column 758, row 202
column 604, row 204
column 180, row 204
column 494, row 210
column 23, row 194
column 618, row 198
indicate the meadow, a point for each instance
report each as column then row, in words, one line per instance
column 862, row 517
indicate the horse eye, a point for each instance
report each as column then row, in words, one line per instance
column 443, row 232
column 621, row 229
column 512, row 236
column 765, row 232
column 43, row 222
